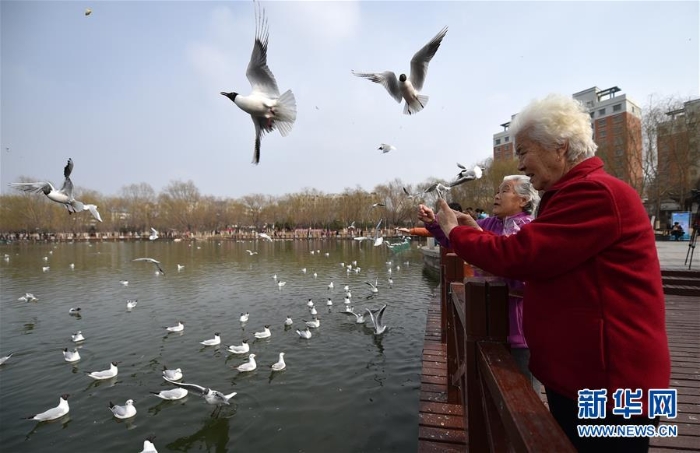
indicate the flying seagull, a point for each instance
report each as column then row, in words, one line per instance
column 439, row 188
column 376, row 317
column 210, row 396
column 88, row 11
column 63, row 196
column 151, row 260
column 408, row 88
column 385, row 148
column 264, row 104
column 154, row 234
column 467, row 174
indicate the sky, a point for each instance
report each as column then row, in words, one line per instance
column 131, row 92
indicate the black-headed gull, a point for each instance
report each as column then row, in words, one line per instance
column 288, row 321
column 28, row 297
column 264, row 334
column 385, row 148
column 154, row 234
column 177, row 328
column 148, row 446
column 71, row 356
column 244, row 317
column 373, row 286
column 467, row 174
column 74, row 311
column 106, row 374
column 53, row 413
column 315, row 323
column 213, row 341
column 172, row 375
column 123, row 412
column 279, row 365
column 306, row 334
column 242, row 348
column 264, row 104
column 77, row 337
column 407, row 88
column 155, row 263
column 63, row 196
column 250, row 365
column 210, row 396
column 171, row 394
column 131, row 304
column 376, row 316
column 6, row 358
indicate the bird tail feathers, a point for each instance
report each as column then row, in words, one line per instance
column 285, row 112
column 416, row 106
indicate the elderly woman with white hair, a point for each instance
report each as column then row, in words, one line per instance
column 513, row 206
column 594, row 309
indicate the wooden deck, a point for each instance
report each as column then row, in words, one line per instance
column 441, row 426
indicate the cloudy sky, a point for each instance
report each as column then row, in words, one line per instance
column 131, row 92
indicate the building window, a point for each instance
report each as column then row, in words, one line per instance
column 592, row 113
column 601, row 112
column 507, row 138
column 617, row 118
column 602, row 133
column 498, row 141
column 601, row 123
column 617, row 107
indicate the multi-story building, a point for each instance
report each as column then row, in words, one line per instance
column 617, row 130
column 678, row 153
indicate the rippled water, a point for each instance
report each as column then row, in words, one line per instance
column 344, row 390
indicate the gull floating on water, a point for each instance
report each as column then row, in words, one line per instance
column 279, row 365
column 243, row 348
column 178, row 328
column 6, row 358
column 53, row 413
column 264, row 334
column 250, row 365
column 407, row 88
column 28, row 297
column 244, row 317
column 329, row 302
column 264, row 104
column 212, row 342
column 45, row 268
column 288, row 321
column 151, row 260
column 310, row 303
column 123, row 412
column 315, row 323
column 306, row 334
column 172, row 375
column 313, row 311
column 148, row 446
column 281, row 284
column 377, row 316
column 385, row 148
column 373, row 287
column 77, row 337
column 71, row 356
column 106, row 374
column 131, row 303
column 172, row 394
column 124, row 282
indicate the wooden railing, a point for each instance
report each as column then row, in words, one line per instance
column 502, row 411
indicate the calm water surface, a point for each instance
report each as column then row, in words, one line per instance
column 344, row 390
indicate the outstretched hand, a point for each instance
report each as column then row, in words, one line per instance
column 447, row 218
column 425, row 214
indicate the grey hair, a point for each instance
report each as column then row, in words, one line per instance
column 554, row 120
column 524, row 188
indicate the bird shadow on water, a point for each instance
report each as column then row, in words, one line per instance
column 64, row 421
column 164, row 404
column 213, row 436
column 111, row 382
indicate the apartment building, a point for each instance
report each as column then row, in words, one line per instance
column 617, row 129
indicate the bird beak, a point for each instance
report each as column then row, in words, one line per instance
column 224, row 94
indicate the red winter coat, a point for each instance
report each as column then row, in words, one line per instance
column 594, row 310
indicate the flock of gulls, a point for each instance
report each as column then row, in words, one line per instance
column 371, row 317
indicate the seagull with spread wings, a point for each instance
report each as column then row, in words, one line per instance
column 268, row 109
column 155, row 263
column 63, row 196
column 408, row 88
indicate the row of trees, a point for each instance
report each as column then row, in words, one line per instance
column 180, row 207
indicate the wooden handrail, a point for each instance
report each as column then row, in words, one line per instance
column 502, row 411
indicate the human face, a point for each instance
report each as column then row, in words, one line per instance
column 507, row 202
column 544, row 166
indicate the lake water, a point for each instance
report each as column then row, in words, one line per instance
column 344, row 390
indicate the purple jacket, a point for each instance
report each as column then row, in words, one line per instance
column 510, row 225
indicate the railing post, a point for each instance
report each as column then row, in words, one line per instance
column 486, row 320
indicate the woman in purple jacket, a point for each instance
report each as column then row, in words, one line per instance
column 513, row 206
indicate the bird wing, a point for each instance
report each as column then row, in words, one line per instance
column 150, row 260
column 198, row 389
column 34, row 187
column 419, row 62
column 93, row 210
column 258, row 73
column 67, row 187
column 380, row 315
column 387, row 79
